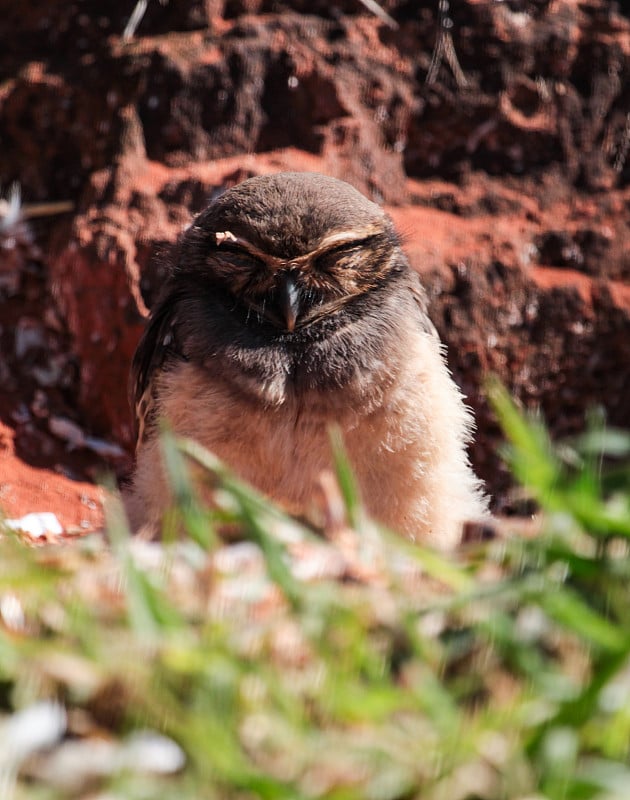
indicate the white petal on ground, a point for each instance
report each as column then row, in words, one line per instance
column 31, row 729
column 148, row 751
column 39, row 523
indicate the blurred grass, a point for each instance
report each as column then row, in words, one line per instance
column 498, row 673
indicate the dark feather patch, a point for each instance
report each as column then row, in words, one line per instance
column 158, row 346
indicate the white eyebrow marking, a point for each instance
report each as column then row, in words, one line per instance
column 347, row 237
column 224, row 236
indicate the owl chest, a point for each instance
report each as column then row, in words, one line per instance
column 281, row 449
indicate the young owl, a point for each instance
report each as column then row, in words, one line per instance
column 293, row 308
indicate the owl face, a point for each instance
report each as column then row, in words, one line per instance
column 286, row 286
column 290, row 258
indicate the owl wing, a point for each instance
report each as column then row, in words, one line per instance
column 421, row 304
column 158, row 348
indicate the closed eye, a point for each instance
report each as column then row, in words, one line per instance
column 335, row 255
column 236, row 255
column 230, row 247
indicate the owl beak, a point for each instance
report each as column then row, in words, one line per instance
column 289, row 296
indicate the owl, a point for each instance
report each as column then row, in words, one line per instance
column 292, row 308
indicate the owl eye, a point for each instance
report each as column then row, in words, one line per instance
column 231, row 247
column 342, row 254
column 336, row 256
column 236, row 255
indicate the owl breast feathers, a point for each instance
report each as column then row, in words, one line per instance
column 291, row 308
